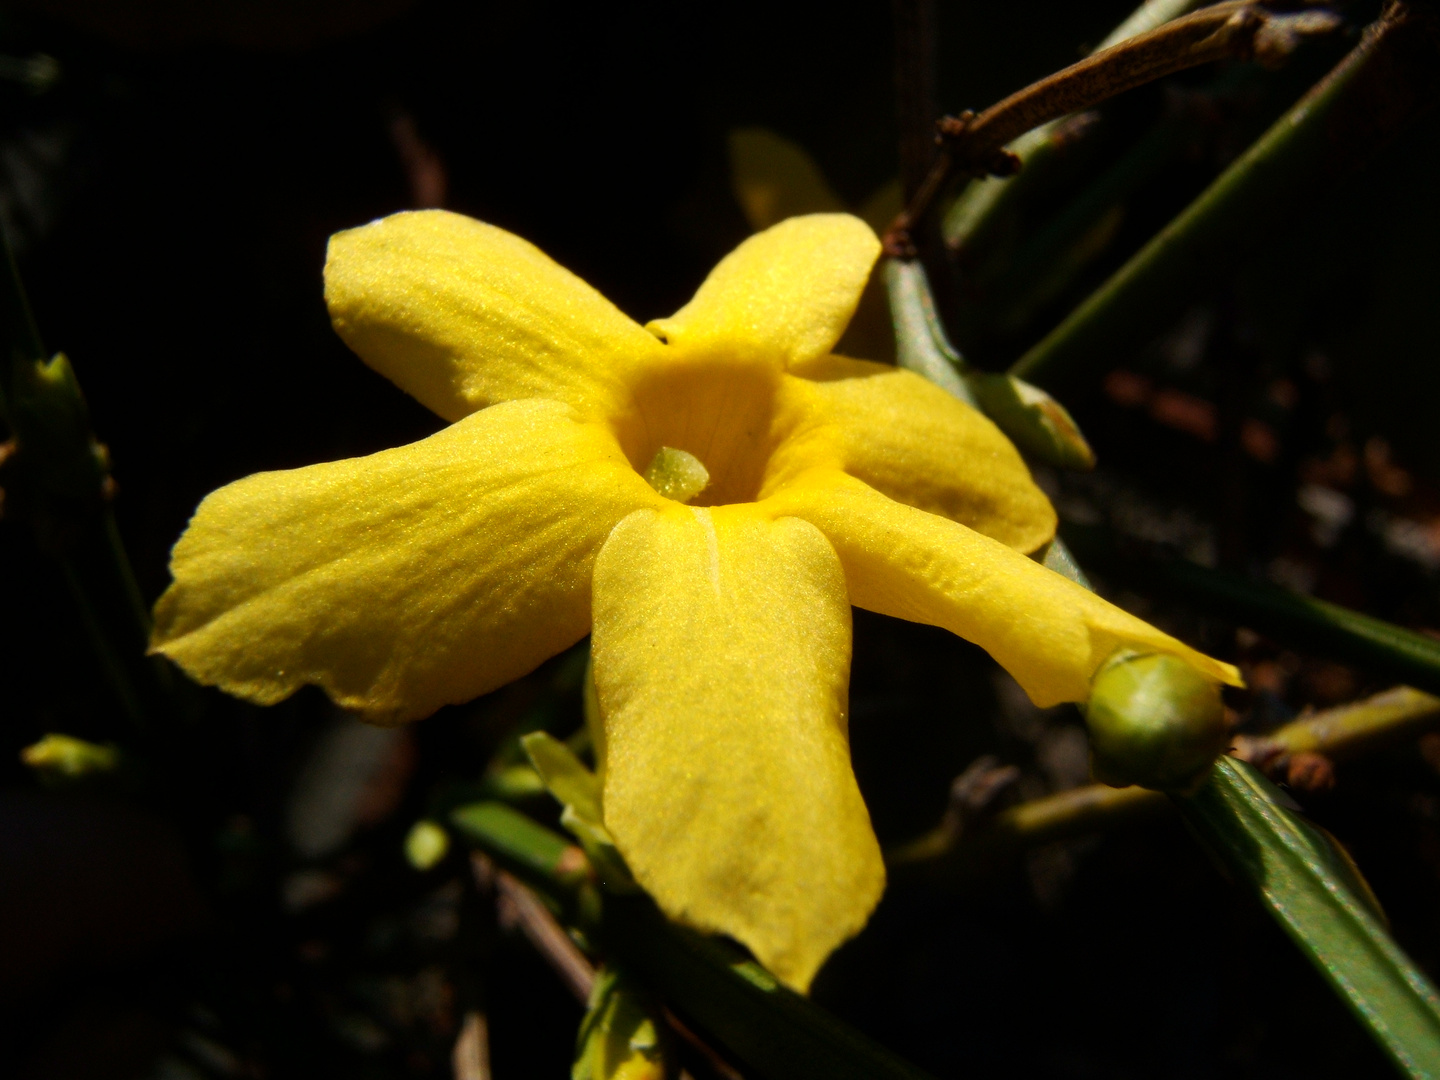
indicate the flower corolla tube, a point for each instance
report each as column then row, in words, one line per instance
column 801, row 482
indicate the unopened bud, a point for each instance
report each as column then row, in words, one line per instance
column 1154, row 721
column 68, row 758
column 426, row 844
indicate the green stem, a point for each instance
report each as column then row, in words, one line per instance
column 527, row 849
column 772, row 1030
column 767, row 1027
column 1383, row 83
column 106, row 653
column 1055, row 256
column 1348, row 731
column 1302, row 620
column 63, row 476
column 123, row 574
column 17, row 324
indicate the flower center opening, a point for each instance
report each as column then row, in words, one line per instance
column 702, row 431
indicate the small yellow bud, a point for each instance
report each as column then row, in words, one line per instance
column 426, row 844
column 1154, row 721
column 63, row 756
column 677, row 474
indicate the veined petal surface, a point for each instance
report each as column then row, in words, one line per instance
column 461, row 315
column 1047, row 631
column 785, row 294
column 722, row 655
column 407, row 580
column 912, row 441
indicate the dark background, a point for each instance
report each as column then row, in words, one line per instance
column 170, row 199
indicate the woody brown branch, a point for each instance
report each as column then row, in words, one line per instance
column 974, row 145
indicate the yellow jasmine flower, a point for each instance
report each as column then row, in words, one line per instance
column 436, row 572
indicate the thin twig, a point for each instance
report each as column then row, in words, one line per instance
column 982, row 202
column 518, row 907
column 1387, row 80
column 470, row 1060
column 1346, row 731
column 1294, row 618
column 762, row 1024
column 974, row 145
column 711, row 1056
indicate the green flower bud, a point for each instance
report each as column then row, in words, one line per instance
column 64, row 757
column 1154, row 721
column 426, row 844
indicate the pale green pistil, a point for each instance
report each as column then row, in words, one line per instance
column 676, row 474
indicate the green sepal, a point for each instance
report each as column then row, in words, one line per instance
column 578, row 789
column 622, row 1036
column 564, row 775
column 511, row 783
column 1034, row 421
column 1318, row 897
column 1057, row 557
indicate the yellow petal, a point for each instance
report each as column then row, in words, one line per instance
column 1048, row 632
column 784, row 295
column 722, row 654
column 774, row 178
column 461, row 315
column 912, row 441
column 407, row 580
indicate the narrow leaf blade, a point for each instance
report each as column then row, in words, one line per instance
column 1291, row 864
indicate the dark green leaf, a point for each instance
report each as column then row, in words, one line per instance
column 1314, row 892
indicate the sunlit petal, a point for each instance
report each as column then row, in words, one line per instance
column 462, row 314
column 785, row 294
column 722, row 652
column 912, row 441
column 406, row 580
column 1047, row 631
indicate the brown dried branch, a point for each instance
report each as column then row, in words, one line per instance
column 519, row 908
column 974, row 145
column 470, row 1060
column 1302, row 752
